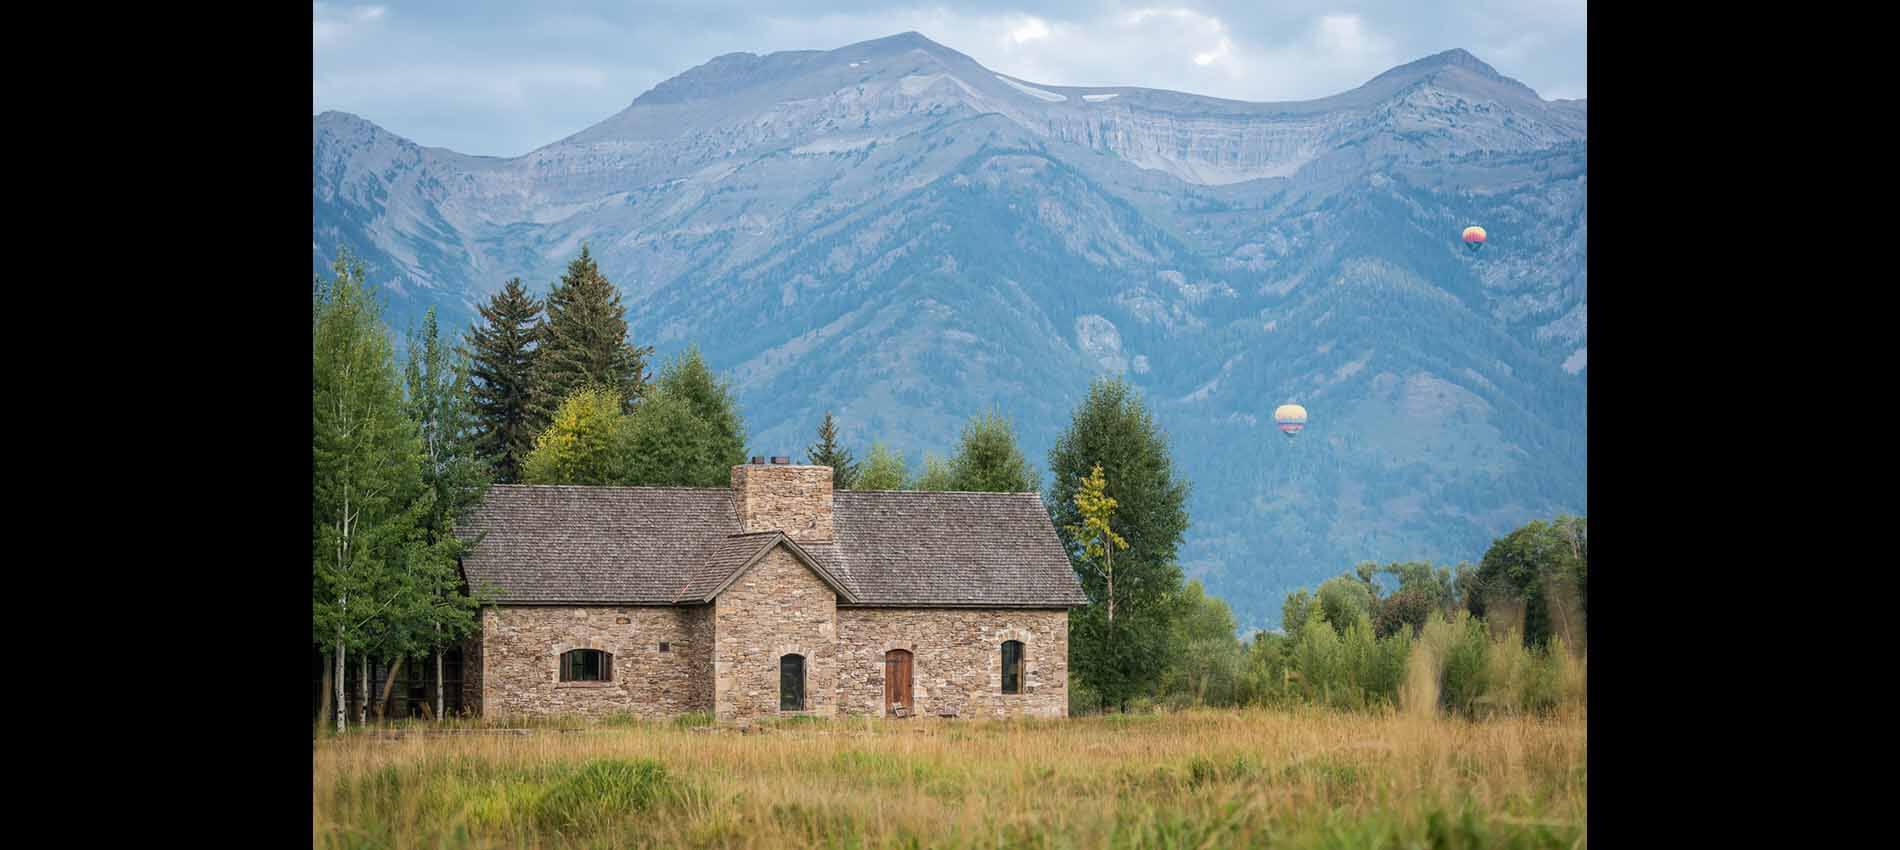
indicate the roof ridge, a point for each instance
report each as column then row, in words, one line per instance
column 600, row 487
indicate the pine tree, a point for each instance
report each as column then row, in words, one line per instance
column 988, row 459
column 501, row 355
column 584, row 342
column 1112, row 428
column 827, row 452
column 370, row 568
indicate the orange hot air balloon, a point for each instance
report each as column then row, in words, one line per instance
column 1474, row 237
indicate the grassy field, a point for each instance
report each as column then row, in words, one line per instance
column 1206, row 779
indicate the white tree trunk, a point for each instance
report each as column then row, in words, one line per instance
column 341, row 703
column 438, row 675
column 362, row 693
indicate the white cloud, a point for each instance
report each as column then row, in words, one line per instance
column 331, row 24
column 483, row 76
column 1031, row 30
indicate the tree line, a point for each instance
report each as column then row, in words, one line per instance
column 1509, row 634
column 555, row 392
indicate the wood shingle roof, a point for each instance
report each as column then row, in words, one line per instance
column 550, row 544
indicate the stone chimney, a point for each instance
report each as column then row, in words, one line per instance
column 780, row 496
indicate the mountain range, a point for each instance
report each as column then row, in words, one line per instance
column 892, row 232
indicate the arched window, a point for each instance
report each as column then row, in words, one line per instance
column 791, row 683
column 587, row 665
column 1012, row 667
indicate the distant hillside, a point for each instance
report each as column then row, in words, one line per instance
column 895, row 233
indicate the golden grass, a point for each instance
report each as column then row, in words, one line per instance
column 1207, row 779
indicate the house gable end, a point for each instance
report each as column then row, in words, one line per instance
column 797, row 552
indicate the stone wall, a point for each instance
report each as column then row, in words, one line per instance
column 792, row 499
column 777, row 607
column 957, row 659
column 472, row 675
column 520, row 660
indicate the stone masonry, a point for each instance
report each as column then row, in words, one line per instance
column 520, row 667
column 777, row 607
column 957, row 660
column 792, row 499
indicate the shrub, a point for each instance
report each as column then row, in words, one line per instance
column 1466, row 672
column 602, row 790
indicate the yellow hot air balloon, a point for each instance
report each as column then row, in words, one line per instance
column 1291, row 418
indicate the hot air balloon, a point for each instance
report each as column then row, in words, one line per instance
column 1291, row 418
column 1474, row 237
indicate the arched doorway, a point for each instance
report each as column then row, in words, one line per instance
column 897, row 698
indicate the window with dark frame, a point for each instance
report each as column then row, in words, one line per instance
column 1012, row 667
column 587, row 665
column 791, row 683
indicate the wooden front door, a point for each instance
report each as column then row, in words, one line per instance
column 897, row 702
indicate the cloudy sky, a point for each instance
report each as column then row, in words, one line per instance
column 503, row 78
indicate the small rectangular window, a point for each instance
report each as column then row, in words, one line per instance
column 1012, row 667
column 791, row 683
column 586, row 665
column 665, row 647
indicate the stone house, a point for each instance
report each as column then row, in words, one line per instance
column 776, row 596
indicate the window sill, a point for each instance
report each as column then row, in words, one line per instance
column 583, row 685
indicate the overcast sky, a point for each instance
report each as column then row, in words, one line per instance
column 503, row 78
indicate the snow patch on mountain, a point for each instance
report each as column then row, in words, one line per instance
column 1034, row 92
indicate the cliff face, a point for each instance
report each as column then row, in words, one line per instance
column 897, row 234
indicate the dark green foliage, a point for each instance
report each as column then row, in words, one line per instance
column 1344, row 600
column 584, row 342
column 1542, row 568
column 1112, row 428
column 1404, row 613
column 501, row 354
column 988, row 460
column 827, row 452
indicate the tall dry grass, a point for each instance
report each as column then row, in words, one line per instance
column 1204, row 779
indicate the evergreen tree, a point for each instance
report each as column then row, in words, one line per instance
column 501, row 355
column 988, row 459
column 883, row 470
column 584, row 342
column 1113, row 429
column 375, row 577
column 827, row 452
